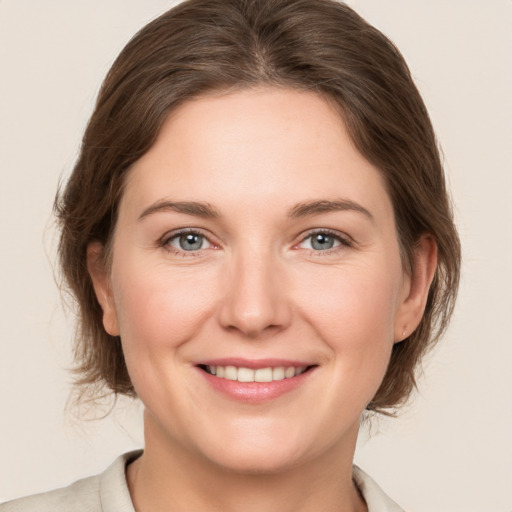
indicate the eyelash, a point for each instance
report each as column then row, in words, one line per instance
column 167, row 238
column 344, row 242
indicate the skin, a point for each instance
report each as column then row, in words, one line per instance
column 256, row 289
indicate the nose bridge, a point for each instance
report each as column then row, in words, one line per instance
column 255, row 299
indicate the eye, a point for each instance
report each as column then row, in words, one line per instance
column 322, row 241
column 189, row 241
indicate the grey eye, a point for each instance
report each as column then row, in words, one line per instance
column 189, row 242
column 320, row 242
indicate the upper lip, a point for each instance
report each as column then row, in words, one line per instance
column 254, row 364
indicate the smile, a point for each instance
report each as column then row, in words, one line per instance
column 255, row 381
column 242, row 374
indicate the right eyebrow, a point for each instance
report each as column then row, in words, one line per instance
column 325, row 206
column 204, row 210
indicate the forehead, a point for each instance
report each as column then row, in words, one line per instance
column 260, row 145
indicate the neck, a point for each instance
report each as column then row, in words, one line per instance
column 168, row 477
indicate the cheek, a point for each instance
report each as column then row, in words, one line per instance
column 353, row 312
column 158, row 311
column 352, row 300
column 159, row 308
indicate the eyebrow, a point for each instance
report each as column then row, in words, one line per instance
column 204, row 210
column 324, row 206
column 207, row 211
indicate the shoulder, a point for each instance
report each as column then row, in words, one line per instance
column 107, row 492
column 376, row 499
column 81, row 496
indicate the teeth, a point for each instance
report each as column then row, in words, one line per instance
column 289, row 372
column 231, row 373
column 278, row 373
column 260, row 375
column 246, row 375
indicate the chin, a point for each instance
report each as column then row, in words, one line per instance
column 252, row 460
column 263, row 447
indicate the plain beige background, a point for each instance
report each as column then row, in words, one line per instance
column 451, row 450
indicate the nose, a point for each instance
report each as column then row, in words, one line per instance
column 255, row 302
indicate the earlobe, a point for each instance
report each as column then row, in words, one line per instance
column 102, row 287
column 414, row 300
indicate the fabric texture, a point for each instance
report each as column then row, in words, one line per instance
column 108, row 492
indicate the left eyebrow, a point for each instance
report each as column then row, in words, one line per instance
column 203, row 210
column 325, row 206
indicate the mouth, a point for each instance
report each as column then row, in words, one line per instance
column 255, row 380
column 263, row 375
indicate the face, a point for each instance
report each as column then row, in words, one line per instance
column 256, row 281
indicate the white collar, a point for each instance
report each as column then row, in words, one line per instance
column 376, row 499
column 115, row 496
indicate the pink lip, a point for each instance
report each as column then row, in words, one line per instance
column 254, row 392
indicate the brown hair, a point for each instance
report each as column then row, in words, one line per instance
column 201, row 46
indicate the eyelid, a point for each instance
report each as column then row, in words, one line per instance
column 344, row 239
column 165, row 240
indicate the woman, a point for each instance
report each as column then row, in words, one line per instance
column 259, row 238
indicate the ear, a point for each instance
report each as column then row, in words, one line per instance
column 416, row 287
column 102, row 286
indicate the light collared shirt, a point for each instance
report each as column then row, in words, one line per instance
column 108, row 492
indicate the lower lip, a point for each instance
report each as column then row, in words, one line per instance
column 255, row 392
